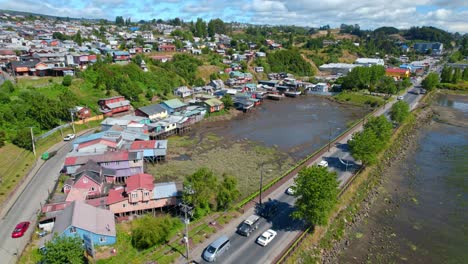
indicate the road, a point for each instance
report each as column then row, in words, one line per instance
column 245, row 250
column 28, row 204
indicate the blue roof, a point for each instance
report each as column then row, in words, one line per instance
column 89, row 137
column 120, row 53
column 165, row 190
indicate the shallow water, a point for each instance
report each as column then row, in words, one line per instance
column 421, row 215
column 298, row 126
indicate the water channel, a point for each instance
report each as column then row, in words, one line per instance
column 421, row 213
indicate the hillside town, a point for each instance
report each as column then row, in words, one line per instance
column 104, row 179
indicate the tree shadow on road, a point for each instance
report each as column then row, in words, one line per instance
column 279, row 215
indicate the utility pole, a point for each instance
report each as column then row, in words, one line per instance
column 73, row 123
column 261, row 183
column 32, row 141
column 186, row 210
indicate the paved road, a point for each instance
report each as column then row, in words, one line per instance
column 245, row 250
column 28, row 204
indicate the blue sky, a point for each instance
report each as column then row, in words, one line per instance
column 369, row 14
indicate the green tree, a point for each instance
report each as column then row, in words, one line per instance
column 64, row 249
column 400, row 111
column 7, row 86
column 67, row 80
column 431, row 81
column 227, row 101
column 457, row 75
column 446, row 74
column 200, row 28
column 22, row 139
column 216, row 26
column 364, row 146
column 381, row 126
column 2, row 138
column 317, row 190
column 386, row 85
column 227, row 192
column 149, row 231
column 119, row 21
column 77, row 38
column 200, row 191
column 465, row 74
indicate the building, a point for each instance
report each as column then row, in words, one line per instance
column 183, row 91
column 369, row 62
column 167, row 48
column 113, row 105
column 124, row 163
column 82, row 220
column 142, row 196
column 82, row 112
column 320, row 87
column 337, row 68
column 397, row 72
column 434, row 47
column 92, row 178
column 213, row 105
column 121, row 56
column 153, row 112
column 153, row 150
column 173, row 105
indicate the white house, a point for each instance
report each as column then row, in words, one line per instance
column 183, row 91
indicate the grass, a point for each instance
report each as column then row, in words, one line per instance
column 15, row 162
column 359, row 99
column 33, row 81
column 239, row 159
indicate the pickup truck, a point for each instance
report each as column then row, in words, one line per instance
column 249, row 225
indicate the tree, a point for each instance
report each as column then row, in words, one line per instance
column 64, row 249
column 216, row 26
column 200, row 28
column 200, row 191
column 386, row 85
column 227, row 192
column 457, row 76
column 7, row 87
column 227, row 101
column 364, row 146
column 149, row 231
column 317, row 190
column 400, row 111
column 77, row 38
column 446, row 74
column 431, row 81
column 465, row 74
column 381, row 126
column 67, row 80
column 119, row 21
column 23, row 139
column 2, row 138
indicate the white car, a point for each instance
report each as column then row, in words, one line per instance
column 400, row 97
column 323, row 163
column 69, row 137
column 266, row 237
column 290, row 191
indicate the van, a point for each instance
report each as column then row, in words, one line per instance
column 216, row 248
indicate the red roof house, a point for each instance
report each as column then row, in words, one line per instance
column 113, row 105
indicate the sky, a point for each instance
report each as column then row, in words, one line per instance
column 450, row 15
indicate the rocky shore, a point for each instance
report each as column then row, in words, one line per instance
column 404, row 145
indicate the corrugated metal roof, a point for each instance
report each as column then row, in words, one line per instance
column 174, row 103
column 165, row 190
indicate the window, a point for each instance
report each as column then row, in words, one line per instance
column 102, row 239
column 85, row 180
column 124, row 205
column 92, row 189
column 146, row 193
column 134, row 195
column 72, row 229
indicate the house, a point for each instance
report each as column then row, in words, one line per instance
column 82, row 219
column 397, row 72
column 173, row 105
column 28, row 67
column 167, row 48
column 141, row 196
column 320, row 87
column 153, row 112
column 82, row 112
column 337, row 68
column 213, row 105
column 93, row 177
column 153, row 150
column 7, row 56
column 120, row 56
column 258, row 69
column 183, row 91
column 124, row 163
column 113, row 105
column 124, row 122
column 369, row 61
column 217, row 84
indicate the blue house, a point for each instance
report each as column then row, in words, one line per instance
column 173, row 105
column 80, row 218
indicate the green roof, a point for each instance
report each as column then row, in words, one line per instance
column 213, row 102
column 174, row 103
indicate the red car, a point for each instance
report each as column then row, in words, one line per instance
column 20, row 229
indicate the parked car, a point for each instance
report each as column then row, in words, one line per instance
column 290, row 191
column 323, row 163
column 266, row 237
column 400, row 97
column 215, row 249
column 249, row 225
column 20, row 229
column 69, row 137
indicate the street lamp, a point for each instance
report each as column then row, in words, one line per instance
column 32, row 141
column 261, row 182
column 187, row 210
column 72, row 111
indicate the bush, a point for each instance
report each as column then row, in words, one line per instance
column 67, row 80
column 149, row 231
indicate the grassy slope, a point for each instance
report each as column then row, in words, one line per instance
column 358, row 98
